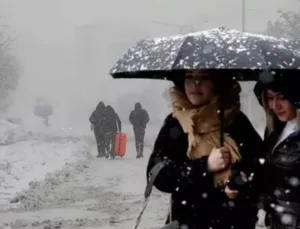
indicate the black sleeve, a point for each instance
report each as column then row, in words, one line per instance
column 147, row 119
column 131, row 118
column 175, row 173
column 266, row 133
column 252, row 155
column 93, row 118
column 119, row 122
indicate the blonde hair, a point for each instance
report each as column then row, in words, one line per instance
column 271, row 117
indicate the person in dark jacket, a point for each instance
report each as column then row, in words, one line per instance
column 280, row 99
column 98, row 120
column 197, row 167
column 139, row 118
column 113, row 126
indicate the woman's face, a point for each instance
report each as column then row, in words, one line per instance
column 282, row 108
column 198, row 87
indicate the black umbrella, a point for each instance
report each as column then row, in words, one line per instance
column 220, row 49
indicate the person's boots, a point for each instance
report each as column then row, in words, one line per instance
column 112, row 156
column 102, row 154
column 142, row 149
column 139, row 155
column 99, row 151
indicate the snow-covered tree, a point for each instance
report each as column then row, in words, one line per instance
column 288, row 25
column 9, row 69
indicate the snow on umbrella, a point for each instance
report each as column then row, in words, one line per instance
column 212, row 49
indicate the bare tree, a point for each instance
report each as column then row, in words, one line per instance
column 9, row 68
column 288, row 25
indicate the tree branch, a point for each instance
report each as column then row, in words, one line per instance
column 288, row 25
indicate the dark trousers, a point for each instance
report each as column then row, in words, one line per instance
column 100, row 139
column 110, row 144
column 139, row 134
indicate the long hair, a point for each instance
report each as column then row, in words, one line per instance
column 273, row 123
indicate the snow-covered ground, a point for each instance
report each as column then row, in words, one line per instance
column 99, row 194
column 27, row 157
column 73, row 188
column 23, row 163
column 11, row 133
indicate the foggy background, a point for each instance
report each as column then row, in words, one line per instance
column 67, row 47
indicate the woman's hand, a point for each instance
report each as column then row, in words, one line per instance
column 218, row 160
column 232, row 194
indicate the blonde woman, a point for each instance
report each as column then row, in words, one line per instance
column 280, row 99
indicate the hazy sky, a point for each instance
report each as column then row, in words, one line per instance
column 49, row 50
column 46, row 18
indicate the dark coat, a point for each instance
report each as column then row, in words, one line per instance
column 196, row 202
column 139, row 117
column 98, row 119
column 113, row 122
column 282, row 181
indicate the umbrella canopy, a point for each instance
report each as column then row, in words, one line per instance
column 218, row 49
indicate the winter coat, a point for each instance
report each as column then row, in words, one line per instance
column 139, row 117
column 195, row 200
column 98, row 119
column 113, row 122
column 282, row 182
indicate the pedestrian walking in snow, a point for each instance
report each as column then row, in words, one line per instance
column 98, row 125
column 139, row 118
column 113, row 126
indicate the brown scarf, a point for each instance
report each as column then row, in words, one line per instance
column 203, row 128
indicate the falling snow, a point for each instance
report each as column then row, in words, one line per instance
column 286, row 219
column 262, row 161
column 212, row 49
column 294, row 181
column 279, row 209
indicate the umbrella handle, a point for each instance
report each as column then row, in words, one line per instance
column 221, row 116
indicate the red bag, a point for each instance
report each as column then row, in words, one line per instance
column 120, row 144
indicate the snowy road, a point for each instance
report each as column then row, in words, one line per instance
column 98, row 193
column 34, row 159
